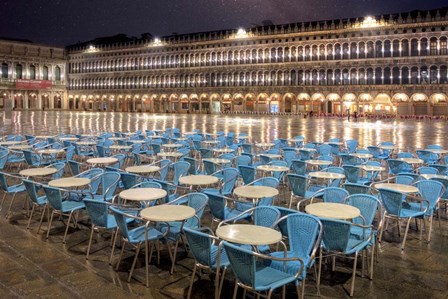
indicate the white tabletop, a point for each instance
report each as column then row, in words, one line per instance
column 361, row 155
column 120, row 147
column 264, row 144
column 69, row 182
column 272, row 156
column 198, row 180
column 397, row 187
column 318, row 162
column 136, row 141
column 50, row 151
column 411, row 160
column 438, row 151
column 20, row 147
column 326, row 175
column 388, row 147
column 248, row 234
column 272, row 168
column 255, row 191
column 334, row 143
column 172, row 145
column 116, row 138
column 434, row 176
column 306, row 149
column 167, row 213
column 10, row 142
column 332, row 210
column 88, row 143
column 223, row 150
column 44, row 136
column 40, row 171
column 143, row 194
column 102, row 160
column 68, row 138
column 143, row 169
column 210, row 141
column 170, row 154
column 371, row 168
column 217, row 160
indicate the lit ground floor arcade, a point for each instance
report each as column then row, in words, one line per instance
column 417, row 103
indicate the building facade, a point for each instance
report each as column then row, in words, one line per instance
column 32, row 76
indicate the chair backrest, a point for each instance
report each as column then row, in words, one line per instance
column 200, row 245
column 434, row 146
column 198, row 201
column 282, row 224
column 3, row 181
column 278, row 174
column 367, row 204
column 266, row 216
column 247, row 147
column 392, row 200
column 351, row 173
column 336, row 234
column 289, row 156
column 97, row 211
column 120, row 217
column 3, row 158
column 324, row 149
column 353, row 188
column 31, row 158
column 427, row 156
column 193, row 169
column 247, row 173
column 297, row 184
column 75, row 167
column 242, row 161
column 298, row 166
column 304, row 231
column 348, row 159
column 94, row 174
column 148, row 184
column 430, row 190
column 404, row 179
column 243, row 263
column 164, row 167
column 217, row 204
column 396, row 166
column 305, row 155
column 128, row 179
column 210, row 167
column 334, row 194
column 180, row 169
column 230, row 176
column 375, row 151
column 120, row 158
column 441, row 168
column 205, row 153
column 31, row 189
column 405, row 155
column 109, row 181
column 351, row 145
column 60, row 166
column 266, row 181
column 54, row 197
column 427, row 170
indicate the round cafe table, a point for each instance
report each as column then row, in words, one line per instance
column 326, row 175
column 72, row 182
column 11, row 142
column 142, row 169
column 173, row 155
column 411, row 160
column 332, row 210
column 272, row 168
column 248, row 234
column 397, row 187
column 51, row 151
column 40, row 171
column 434, row 176
column 20, row 147
column 438, row 151
column 223, row 150
column 167, row 213
column 272, row 156
column 371, row 168
column 143, row 194
column 86, row 143
column 217, row 160
column 361, row 155
column 255, row 192
column 318, row 162
column 198, row 180
column 120, row 147
column 102, row 161
column 68, row 138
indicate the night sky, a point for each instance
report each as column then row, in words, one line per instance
column 65, row 22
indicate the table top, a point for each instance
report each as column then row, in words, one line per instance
column 10, row 142
column 167, row 213
column 198, row 180
column 411, row 160
column 438, row 151
column 371, row 168
column 20, row 147
column 397, row 187
column 120, row 147
column 69, row 182
column 40, row 171
column 68, row 138
column 434, row 176
column 272, row 156
column 272, row 168
column 264, row 144
column 172, row 145
column 248, row 234
column 318, row 162
column 334, row 142
column 223, row 150
column 296, row 139
column 86, row 143
column 210, row 141
column 326, row 175
column 388, row 147
column 332, row 210
column 102, row 160
column 170, row 154
column 143, row 169
column 136, row 141
column 361, row 155
column 255, row 191
column 306, row 149
column 44, row 136
column 217, row 160
column 116, row 138
column 50, row 151
column 143, row 194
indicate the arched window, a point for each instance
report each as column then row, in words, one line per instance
column 414, row 75
column 322, row 78
column 443, row 46
column 337, row 77
column 57, row 73
column 433, row 46
column 19, row 71
column 404, row 48
column 378, row 75
column 370, row 76
column 337, row 52
column 279, row 55
column 405, row 75
column 362, row 50
column 386, row 51
column 307, row 78
column 329, row 52
column 5, row 70
column 414, row 47
column 345, row 77
column 314, row 77
column 386, row 76
column 45, row 73
column 353, row 50
column 293, row 78
column 314, row 53
column 353, row 79
column 395, row 75
column 321, row 52
column 424, row 47
column 424, row 75
column 396, row 48
column 307, row 53
column 443, row 75
column 345, row 51
column 272, row 55
column 433, row 75
column 378, row 49
column 330, row 77
column 32, row 72
column 370, row 50
column 300, row 77
column 361, row 77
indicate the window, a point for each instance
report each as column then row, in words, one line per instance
column 45, row 73
column 4, row 71
column 19, row 71
column 57, row 73
column 32, row 72
column 433, row 46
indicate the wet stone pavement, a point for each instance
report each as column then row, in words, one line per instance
column 33, row 267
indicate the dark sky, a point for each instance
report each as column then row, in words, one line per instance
column 64, row 22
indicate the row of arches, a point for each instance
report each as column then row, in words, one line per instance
column 338, row 51
column 347, row 76
column 10, row 70
column 32, row 100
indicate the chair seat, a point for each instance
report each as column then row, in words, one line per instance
column 69, row 206
column 291, row 266
column 137, row 235
column 16, row 188
column 42, row 200
column 270, row 278
column 224, row 260
column 416, row 206
column 409, row 212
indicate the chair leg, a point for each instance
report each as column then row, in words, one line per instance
column 3, row 200
column 66, row 229
column 137, row 251
column 31, row 216
column 302, row 292
column 121, row 255
column 90, row 241
column 113, row 246
column 235, row 290
column 352, row 288
column 44, row 211
column 372, row 260
column 430, row 227
column 49, row 224
column 173, row 265
column 405, row 234
column 222, row 282
column 192, row 281
column 10, row 205
column 319, row 271
column 382, row 228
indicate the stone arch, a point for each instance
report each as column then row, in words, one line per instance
column 289, row 102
